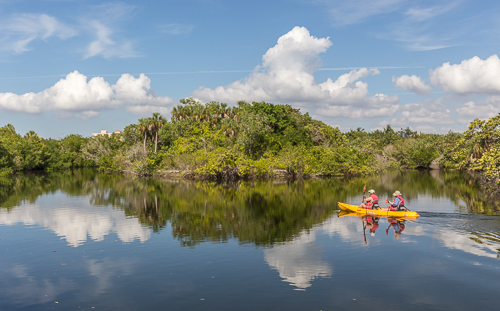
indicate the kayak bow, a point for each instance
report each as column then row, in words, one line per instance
column 363, row 211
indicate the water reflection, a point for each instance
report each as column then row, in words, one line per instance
column 77, row 222
column 263, row 213
column 298, row 262
column 298, row 241
column 397, row 224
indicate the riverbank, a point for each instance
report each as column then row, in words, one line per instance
column 255, row 140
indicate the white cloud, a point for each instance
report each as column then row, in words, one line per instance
column 86, row 99
column 286, row 76
column 412, row 23
column 20, row 30
column 84, row 115
column 482, row 110
column 103, row 22
column 471, row 76
column 105, row 46
column 431, row 111
column 412, row 83
column 348, row 12
column 420, row 14
column 418, row 26
column 99, row 24
column 427, row 129
column 147, row 110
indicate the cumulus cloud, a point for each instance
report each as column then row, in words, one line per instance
column 431, row 111
column 471, row 76
column 20, row 30
column 412, row 83
column 74, row 94
column 286, row 76
column 482, row 109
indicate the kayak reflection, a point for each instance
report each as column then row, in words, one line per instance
column 372, row 223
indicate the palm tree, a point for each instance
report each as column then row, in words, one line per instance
column 157, row 121
column 175, row 114
column 144, row 128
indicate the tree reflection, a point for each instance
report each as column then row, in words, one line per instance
column 261, row 212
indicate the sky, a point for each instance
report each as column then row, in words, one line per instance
column 82, row 66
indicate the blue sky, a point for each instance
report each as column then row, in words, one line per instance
column 80, row 66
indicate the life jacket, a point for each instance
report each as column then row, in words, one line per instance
column 369, row 219
column 369, row 205
column 375, row 227
column 375, row 201
column 400, row 205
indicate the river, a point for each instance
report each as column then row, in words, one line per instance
column 84, row 240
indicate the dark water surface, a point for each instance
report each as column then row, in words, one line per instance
column 81, row 240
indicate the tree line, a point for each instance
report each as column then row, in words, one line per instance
column 258, row 139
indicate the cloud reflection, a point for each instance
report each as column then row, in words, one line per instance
column 298, row 262
column 467, row 243
column 77, row 224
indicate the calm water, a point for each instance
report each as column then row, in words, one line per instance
column 88, row 241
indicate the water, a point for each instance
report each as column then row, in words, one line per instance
column 80, row 240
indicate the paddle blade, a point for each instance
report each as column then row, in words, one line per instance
column 364, row 189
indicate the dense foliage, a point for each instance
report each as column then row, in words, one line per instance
column 256, row 139
column 219, row 142
column 31, row 152
column 479, row 150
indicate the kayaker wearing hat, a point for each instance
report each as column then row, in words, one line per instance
column 398, row 204
column 371, row 201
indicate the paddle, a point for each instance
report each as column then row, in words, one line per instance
column 364, row 189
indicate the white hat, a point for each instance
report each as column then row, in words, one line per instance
column 396, row 193
column 371, row 191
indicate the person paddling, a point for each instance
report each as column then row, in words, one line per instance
column 398, row 204
column 371, row 201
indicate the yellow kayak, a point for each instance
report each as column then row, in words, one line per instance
column 363, row 211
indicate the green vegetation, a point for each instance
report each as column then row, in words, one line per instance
column 214, row 141
column 478, row 150
column 31, row 152
column 262, row 212
column 218, row 142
